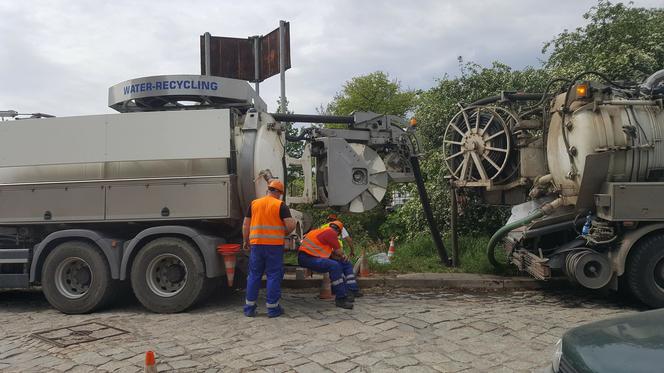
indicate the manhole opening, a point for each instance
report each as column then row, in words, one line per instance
column 77, row 334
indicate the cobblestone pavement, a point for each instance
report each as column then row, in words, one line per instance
column 387, row 331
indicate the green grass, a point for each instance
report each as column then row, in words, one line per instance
column 420, row 255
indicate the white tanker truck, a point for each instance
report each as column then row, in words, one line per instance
column 148, row 195
column 584, row 172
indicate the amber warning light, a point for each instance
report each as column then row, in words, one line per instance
column 582, row 90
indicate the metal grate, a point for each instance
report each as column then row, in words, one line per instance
column 76, row 334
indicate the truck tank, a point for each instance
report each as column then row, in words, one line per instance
column 629, row 131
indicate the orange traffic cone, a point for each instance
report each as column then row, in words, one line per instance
column 229, row 251
column 325, row 287
column 150, row 362
column 364, row 265
column 390, row 251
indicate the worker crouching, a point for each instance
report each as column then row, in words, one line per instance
column 320, row 252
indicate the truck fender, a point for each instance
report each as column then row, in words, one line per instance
column 618, row 257
column 112, row 249
column 207, row 246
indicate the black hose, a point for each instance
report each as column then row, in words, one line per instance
column 519, row 96
column 486, row 100
column 426, row 206
column 310, row 118
column 299, row 137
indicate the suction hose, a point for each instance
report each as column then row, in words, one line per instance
column 498, row 236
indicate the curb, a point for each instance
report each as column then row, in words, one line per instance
column 466, row 281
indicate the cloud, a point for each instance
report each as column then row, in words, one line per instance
column 61, row 56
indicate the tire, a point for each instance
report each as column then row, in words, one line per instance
column 645, row 270
column 76, row 278
column 168, row 275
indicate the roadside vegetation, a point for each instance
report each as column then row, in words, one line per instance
column 621, row 41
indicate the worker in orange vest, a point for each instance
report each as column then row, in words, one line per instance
column 349, row 274
column 318, row 252
column 267, row 223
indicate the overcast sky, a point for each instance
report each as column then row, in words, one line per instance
column 60, row 56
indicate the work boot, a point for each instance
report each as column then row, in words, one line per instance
column 357, row 293
column 343, row 303
column 350, row 296
column 250, row 311
column 275, row 311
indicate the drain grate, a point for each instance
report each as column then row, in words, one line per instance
column 76, row 334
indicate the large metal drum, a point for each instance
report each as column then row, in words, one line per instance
column 630, row 133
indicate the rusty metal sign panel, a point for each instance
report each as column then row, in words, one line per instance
column 234, row 57
column 230, row 57
column 76, row 334
column 269, row 51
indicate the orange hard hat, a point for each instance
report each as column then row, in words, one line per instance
column 338, row 224
column 276, row 185
column 332, row 217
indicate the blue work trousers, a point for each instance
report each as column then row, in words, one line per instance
column 268, row 259
column 341, row 272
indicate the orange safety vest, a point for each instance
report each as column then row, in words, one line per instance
column 312, row 245
column 266, row 228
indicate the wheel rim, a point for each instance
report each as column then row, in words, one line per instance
column 659, row 274
column 73, row 278
column 166, row 275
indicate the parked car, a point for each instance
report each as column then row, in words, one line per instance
column 632, row 343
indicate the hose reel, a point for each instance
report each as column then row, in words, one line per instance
column 478, row 146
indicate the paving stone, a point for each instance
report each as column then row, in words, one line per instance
column 310, row 368
column 113, row 365
column 325, row 358
column 431, row 357
column 366, row 360
column 402, row 361
column 91, row 358
column 183, row 364
column 342, row 367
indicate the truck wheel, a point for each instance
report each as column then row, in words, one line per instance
column 167, row 275
column 645, row 271
column 76, row 278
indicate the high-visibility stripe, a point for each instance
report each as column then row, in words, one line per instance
column 313, row 247
column 250, row 302
column 337, row 282
column 276, row 236
column 351, row 282
column 350, row 276
column 312, row 243
column 268, row 227
column 272, row 305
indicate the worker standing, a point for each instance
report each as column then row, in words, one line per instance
column 346, row 240
column 320, row 252
column 265, row 226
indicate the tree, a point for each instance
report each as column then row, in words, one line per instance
column 373, row 92
column 619, row 40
